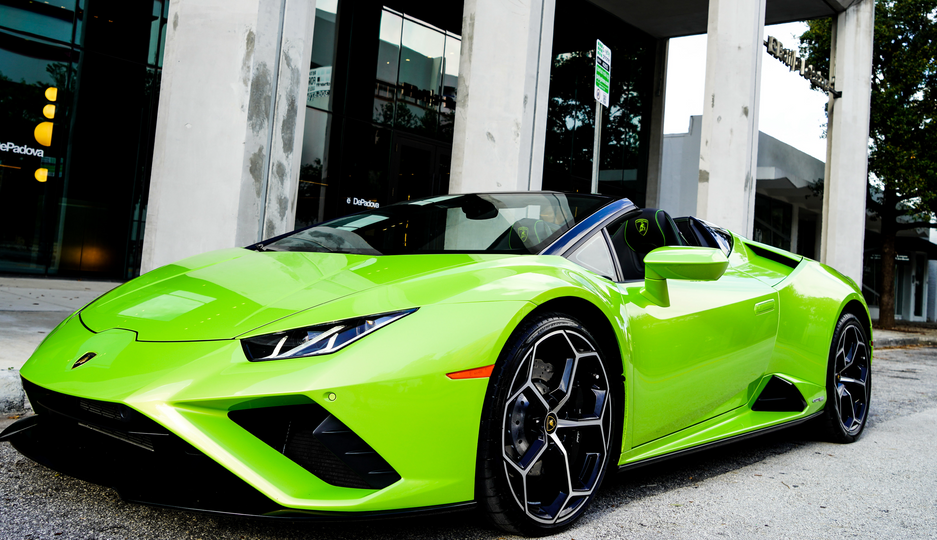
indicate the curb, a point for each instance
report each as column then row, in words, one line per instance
column 910, row 341
column 12, row 397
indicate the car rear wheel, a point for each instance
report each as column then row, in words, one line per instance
column 547, row 428
column 849, row 381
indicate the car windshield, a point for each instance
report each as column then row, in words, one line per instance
column 521, row 223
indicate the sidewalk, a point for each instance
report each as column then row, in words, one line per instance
column 30, row 308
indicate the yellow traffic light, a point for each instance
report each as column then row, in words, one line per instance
column 43, row 131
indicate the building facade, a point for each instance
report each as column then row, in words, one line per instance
column 275, row 114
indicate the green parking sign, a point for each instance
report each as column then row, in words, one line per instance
column 603, row 69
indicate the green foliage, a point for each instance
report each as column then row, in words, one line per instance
column 902, row 159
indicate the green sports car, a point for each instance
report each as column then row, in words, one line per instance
column 501, row 351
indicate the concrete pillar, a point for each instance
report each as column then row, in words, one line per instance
column 656, row 143
column 230, row 116
column 848, row 141
column 729, row 145
column 504, row 83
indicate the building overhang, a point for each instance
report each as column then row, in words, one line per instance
column 675, row 18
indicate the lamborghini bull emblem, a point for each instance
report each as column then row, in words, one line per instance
column 642, row 226
column 524, row 233
column 84, row 359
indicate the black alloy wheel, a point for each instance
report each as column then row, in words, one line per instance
column 548, row 428
column 849, row 381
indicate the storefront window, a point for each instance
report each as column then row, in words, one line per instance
column 388, row 63
column 77, row 119
column 314, row 171
column 571, row 112
column 323, row 55
column 385, row 133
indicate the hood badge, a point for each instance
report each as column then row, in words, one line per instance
column 84, row 359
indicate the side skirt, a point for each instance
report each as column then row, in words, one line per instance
column 714, row 444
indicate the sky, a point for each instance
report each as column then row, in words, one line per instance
column 789, row 110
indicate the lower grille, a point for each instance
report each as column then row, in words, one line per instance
column 113, row 445
column 320, row 443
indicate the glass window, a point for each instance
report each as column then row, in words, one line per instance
column 773, row 219
column 495, row 223
column 34, row 118
column 53, row 21
column 568, row 151
column 595, row 256
column 421, row 58
column 450, row 87
column 314, row 170
column 119, row 29
column 157, row 31
column 67, row 206
column 388, row 62
column 323, row 55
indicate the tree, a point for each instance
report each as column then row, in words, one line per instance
column 902, row 190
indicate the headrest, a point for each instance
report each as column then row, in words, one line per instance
column 650, row 230
column 529, row 232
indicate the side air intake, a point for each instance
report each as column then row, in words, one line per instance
column 780, row 396
column 319, row 443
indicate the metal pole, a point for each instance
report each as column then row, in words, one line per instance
column 597, row 147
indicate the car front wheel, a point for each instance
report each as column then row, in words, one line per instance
column 547, row 430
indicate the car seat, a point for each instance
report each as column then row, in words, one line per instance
column 641, row 234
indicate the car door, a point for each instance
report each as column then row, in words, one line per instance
column 704, row 353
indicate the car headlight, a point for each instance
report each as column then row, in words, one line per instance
column 316, row 340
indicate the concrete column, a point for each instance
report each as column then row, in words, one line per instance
column 230, row 115
column 656, row 143
column 729, row 145
column 848, row 141
column 504, row 83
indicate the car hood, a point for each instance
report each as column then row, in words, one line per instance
column 224, row 294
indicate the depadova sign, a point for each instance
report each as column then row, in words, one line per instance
column 790, row 58
column 25, row 150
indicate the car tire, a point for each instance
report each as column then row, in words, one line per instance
column 848, row 382
column 548, row 427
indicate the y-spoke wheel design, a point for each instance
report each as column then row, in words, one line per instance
column 552, row 427
column 849, row 381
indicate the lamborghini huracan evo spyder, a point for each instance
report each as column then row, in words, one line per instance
column 500, row 350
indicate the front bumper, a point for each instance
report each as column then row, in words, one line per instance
column 389, row 389
column 111, row 445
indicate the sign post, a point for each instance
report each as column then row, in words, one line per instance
column 603, row 70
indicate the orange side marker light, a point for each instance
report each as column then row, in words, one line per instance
column 474, row 373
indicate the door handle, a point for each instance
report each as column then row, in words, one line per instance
column 764, row 307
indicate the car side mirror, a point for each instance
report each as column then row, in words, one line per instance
column 680, row 262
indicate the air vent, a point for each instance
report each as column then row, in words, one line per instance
column 319, row 443
column 773, row 256
column 780, row 396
